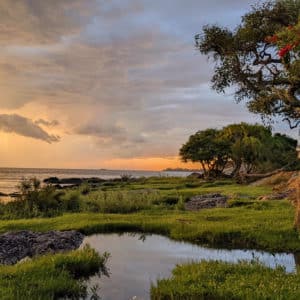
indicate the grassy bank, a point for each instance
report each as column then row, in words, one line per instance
column 51, row 276
column 218, row 280
column 260, row 225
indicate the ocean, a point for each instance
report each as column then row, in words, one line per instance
column 11, row 177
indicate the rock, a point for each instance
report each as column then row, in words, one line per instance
column 15, row 246
column 14, row 195
column 278, row 196
column 51, row 180
column 206, row 201
column 3, row 194
column 75, row 181
column 195, row 175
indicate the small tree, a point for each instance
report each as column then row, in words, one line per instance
column 209, row 148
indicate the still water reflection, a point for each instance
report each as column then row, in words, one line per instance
column 135, row 262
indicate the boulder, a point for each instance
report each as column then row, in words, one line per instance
column 15, row 246
column 206, row 201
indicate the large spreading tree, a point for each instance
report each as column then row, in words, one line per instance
column 259, row 59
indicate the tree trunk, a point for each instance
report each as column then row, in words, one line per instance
column 297, row 213
column 236, row 169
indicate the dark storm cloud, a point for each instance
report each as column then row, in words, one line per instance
column 23, row 126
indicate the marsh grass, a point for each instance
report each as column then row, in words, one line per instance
column 220, row 280
column 247, row 223
column 121, row 201
column 51, row 276
column 270, row 228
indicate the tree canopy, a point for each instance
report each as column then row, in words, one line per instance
column 239, row 147
column 259, row 59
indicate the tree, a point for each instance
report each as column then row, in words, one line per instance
column 250, row 60
column 247, row 148
column 208, row 148
column 283, row 151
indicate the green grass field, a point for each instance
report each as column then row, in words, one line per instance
column 267, row 225
column 151, row 206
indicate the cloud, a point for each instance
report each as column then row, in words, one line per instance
column 32, row 22
column 46, row 123
column 101, row 131
column 26, row 127
column 129, row 63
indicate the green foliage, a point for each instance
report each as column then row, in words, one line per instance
column 34, row 201
column 242, row 146
column 220, row 280
column 209, row 148
column 246, row 60
column 51, row 276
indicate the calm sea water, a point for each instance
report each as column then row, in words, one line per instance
column 10, row 177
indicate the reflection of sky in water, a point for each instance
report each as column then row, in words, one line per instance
column 135, row 263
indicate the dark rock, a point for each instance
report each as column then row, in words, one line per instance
column 206, row 201
column 3, row 194
column 95, row 180
column 15, row 246
column 196, row 175
column 14, row 195
column 73, row 181
column 278, row 196
column 51, row 180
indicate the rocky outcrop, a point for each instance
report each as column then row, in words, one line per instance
column 206, row 201
column 15, row 246
column 278, row 196
column 73, row 181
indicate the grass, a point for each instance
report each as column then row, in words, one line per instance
column 219, row 280
column 155, row 205
column 262, row 225
column 51, row 276
column 117, row 196
column 139, row 206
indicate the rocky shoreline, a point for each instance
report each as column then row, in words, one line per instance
column 14, row 246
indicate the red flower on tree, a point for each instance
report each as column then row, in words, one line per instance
column 272, row 39
column 283, row 51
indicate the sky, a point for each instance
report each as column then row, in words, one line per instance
column 109, row 84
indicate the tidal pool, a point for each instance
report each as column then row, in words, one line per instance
column 137, row 260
